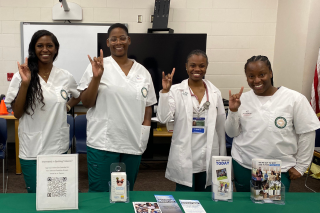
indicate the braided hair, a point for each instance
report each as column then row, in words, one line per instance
column 260, row 58
column 198, row 52
column 34, row 92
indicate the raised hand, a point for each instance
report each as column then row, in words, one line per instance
column 234, row 100
column 24, row 72
column 97, row 65
column 167, row 81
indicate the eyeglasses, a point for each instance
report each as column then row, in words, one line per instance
column 122, row 39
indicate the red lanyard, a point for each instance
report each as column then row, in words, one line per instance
column 196, row 96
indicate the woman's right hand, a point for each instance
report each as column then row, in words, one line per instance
column 167, row 81
column 97, row 65
column 24, row 72
column 234, row 100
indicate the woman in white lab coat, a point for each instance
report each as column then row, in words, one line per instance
column 38, row 94
column 198, row 112
column 269, row 122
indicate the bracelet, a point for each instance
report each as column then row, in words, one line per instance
column 69, row 107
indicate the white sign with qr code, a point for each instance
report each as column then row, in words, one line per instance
column 57, row 182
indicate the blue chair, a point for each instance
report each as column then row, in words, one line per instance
column 3, row 148
column 81, row 134
column 70, row 121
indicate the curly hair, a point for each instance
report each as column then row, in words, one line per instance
column 34, row 92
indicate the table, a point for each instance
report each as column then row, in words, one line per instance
column 163, row 133
column 99, row 202
column 16, row 125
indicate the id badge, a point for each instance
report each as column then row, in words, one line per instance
column 198, row 121
column 198, row 125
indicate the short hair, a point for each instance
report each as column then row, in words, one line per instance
column 197, row 52
column 259, row 58
column 118, row 25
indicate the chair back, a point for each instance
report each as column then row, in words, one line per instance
column 3, row 137
column 81, row 134
column 70, row 121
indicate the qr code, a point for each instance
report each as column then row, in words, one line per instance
column 57, row 187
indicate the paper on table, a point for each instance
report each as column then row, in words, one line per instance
column 57, row 182
column 192, row 206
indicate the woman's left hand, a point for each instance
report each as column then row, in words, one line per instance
column 294, row 174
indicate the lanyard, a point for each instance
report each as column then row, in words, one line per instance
column 205, row 105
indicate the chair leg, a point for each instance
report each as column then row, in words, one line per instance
column 305, row 184
column 3, row 174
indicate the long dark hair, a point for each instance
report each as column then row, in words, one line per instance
column 34, row 92
column 260, row 58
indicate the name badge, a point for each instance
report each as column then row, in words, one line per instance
column 198, row 121
column 246, row 113
column 198, row 130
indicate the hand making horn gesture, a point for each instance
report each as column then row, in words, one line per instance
column 167, row 81
column 97, row 65
column 234, row 100
column 24, row 72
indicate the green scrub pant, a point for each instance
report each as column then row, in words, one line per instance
column 29, row 171
column 242, row 177
column 99, row 168
column 198, row 184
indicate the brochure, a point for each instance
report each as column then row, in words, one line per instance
column 266, row 179
column 168, row 204
column 57, row 182
column 146, row 207
column 192, row 206
column 221, row 177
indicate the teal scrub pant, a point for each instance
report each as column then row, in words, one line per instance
column 29, row 171
column 198, row 184
column 242, row 177
column 99, row 168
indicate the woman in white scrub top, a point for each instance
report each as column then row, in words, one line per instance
column 198, row 134
column 38, row 94
column 269, row 122
column 119, row 92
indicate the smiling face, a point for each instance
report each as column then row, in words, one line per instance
column 259, row 78
column 45, row 50
column 118, row 42
column 196, row 67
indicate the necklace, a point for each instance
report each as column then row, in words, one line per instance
column 45, row 75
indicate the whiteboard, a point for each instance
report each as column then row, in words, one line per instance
column 77, row 40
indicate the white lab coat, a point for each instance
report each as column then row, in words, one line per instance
column 179, row 167
column 47, row 130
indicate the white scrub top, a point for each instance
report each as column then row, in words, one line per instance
column 115, row 123
column 46, row 131
column 199, row 140
column 271, row 130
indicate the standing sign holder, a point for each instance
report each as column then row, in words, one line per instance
column 271, row 195
column 222, row 193
column 118, row 186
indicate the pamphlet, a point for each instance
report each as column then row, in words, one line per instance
column 266, row 179
column 57, row 182
column 118, row 187
column 221, row 177
column 192, row 206
column 146, row 207
column 168, row 204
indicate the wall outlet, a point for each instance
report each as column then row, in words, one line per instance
column 151, row 18
column 139, row 18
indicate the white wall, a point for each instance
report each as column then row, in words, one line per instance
column 297, row 44
column 237, row 29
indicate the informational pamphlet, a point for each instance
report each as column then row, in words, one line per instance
column 192, row 206
column 266, row 179
column 221, row 177
column 146, row 207
column 168, row 204
column 57, row 182
column 118, row 187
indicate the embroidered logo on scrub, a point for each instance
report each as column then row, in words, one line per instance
column 64, row 94
column 144, row 92
column 280, row 122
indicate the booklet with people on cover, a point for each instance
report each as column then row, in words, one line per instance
column 266, row 179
